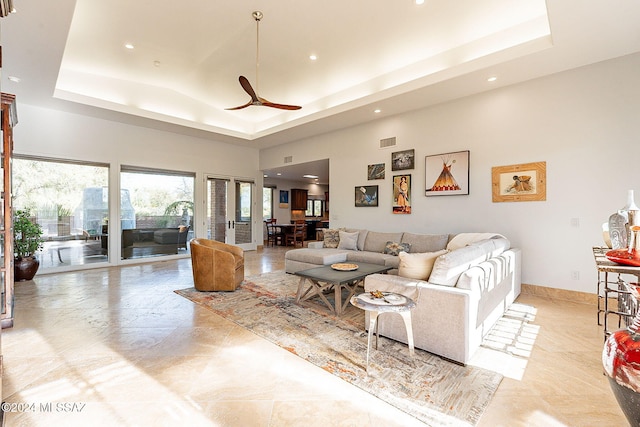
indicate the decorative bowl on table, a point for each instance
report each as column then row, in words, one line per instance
column 344, row 266
column 624, row 256
column 631, row 254
column 380, row 298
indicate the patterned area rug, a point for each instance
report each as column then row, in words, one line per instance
column 435, row 391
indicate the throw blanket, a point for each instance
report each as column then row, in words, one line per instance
column 465, row 239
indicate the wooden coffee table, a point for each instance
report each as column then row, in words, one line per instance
column 320, row 281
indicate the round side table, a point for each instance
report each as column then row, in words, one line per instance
column 391, row 303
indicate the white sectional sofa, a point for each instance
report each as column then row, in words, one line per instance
column 462, row 284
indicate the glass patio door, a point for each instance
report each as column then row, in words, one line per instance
column 230, row 211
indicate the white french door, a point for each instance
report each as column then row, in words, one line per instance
column 230, row 211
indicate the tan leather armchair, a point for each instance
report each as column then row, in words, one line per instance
column 216, row 266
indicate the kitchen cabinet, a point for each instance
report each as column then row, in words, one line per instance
column 298, row 199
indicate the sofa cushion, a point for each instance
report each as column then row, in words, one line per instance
column 324, row 256
column 425, row 242
column 448, row 267
column 362, row 235
column 485, row 276
column 348, row 240
column 166, row 236
column 418, row 265
column 331, row 238
column 375, row 241
column 394, row 248
column 368, row 257
column 393, row 262
column 493, row 247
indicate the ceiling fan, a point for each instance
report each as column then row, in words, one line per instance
column 244, row 82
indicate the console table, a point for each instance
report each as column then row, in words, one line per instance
column 615, row 279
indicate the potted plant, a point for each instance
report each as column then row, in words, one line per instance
column 27, row 239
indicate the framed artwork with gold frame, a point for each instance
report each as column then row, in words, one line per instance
column 526, row 182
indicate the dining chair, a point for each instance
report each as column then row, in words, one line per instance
column 297, row 234
column 274, row 233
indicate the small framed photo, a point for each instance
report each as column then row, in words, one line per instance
column 447, row 174
column 402, row 160
column 375, row 171
column 526, row 182
column 402, row 194
column 366, row 196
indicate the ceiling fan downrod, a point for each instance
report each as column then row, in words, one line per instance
column 257, row 15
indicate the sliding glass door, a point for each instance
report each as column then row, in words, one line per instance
column 69, row 200
column 230, row 211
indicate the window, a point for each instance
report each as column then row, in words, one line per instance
column 243, row 202
column 267, row 203
column 70, row 201
column 156, row 212
column 314, row 208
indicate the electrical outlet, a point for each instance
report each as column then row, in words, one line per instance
column 575, row 222
column 575, row 275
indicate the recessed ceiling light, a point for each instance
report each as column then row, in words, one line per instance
column 278, row 174
column 313, row 57
column 377, row 110
column 14, row 79
column 419, row 2
column 310, row 176
column 492, row 79
column 265, row 176
column 129, row 46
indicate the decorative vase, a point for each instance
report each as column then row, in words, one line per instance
column 621, row 361
column 618, row 234
column 633, row 211
column 25, row 268
column 605, row 235
column 619, row 223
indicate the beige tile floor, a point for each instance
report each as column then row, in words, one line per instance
column 121, row 349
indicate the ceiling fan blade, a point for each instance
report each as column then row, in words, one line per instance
column 247, row 88
column 280, row 106
column 240, row 107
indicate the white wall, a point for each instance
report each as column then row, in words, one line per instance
column 60, row 135
column 584, row 123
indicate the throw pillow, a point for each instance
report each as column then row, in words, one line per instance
column 348, row 241
column 418, row 265
column 331, row 238
column 394, row 248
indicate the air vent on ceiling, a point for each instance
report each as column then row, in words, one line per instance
column 388, row 142
column 288, row 159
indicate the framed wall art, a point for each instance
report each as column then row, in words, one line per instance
column 284, row 199
column 402, row 194
column 526, row 182
column 375, row 171
column 401, row 160
column 447, row 174
column 366, row 195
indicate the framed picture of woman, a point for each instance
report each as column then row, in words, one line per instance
column 402, row 194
